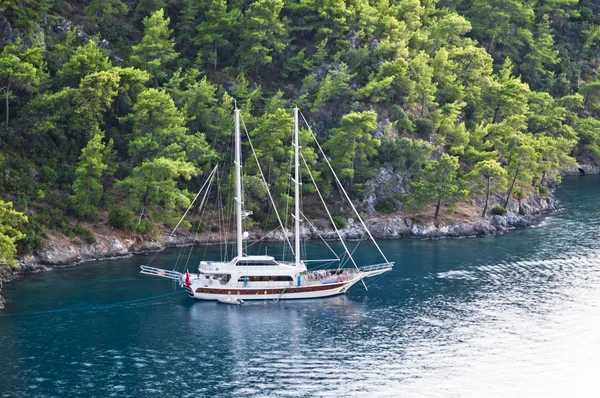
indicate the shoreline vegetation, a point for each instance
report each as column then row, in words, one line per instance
column 441, row 117
column 60, row 251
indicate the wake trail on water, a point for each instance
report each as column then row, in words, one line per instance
column 90, row 307
column 568, row 264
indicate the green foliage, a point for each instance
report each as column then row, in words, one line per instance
column 352, row 145
column 87, row 186
column 19, row 70
column 507, row 89
column 85, row 233
column 157, row 48
column 214, row 33
column 438, row 183
column 498, row 211
column 152, row 188
column 11, row 226
column 405, row 154
column 263, row 33
column 386, row 205
column 85, row 60
column 119, row 217
column 338, row 222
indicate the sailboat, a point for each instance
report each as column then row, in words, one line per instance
column 262, row 277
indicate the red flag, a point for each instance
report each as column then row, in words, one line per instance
column 187, row 278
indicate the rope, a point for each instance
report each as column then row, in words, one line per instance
column 320, row 236
column 344, row 191
column 328, row 213
column 266, row 185
column 92, row 307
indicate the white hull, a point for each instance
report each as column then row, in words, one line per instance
column 289, row 293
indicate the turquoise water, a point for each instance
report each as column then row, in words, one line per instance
column 516, row 315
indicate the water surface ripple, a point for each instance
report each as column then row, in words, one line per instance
column 517, row 315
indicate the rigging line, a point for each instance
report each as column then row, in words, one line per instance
column 287, row 201
column 266, row 185
column 329, row 214
column 263, row 238
column 203, row 208
column 327, row 210
column 92, row 307
column 208, row 180
column 320, row 236
column 344, row 191
column 219, row 207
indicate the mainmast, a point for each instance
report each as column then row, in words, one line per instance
column 238, row 184
column 296, row 189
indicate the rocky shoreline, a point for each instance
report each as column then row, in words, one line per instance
column 61, row 252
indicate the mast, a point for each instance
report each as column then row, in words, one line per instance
column 238, row 184
column 296, row 189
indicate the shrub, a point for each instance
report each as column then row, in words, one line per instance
column 386, row 205
column 423, row 128
column 143, row 227
column 86, row 234
column 339, row 222
column 214, row 228
column 498, row 211
column 33, row 239
column 119, row 218
column 197, row 227
column 543, row 190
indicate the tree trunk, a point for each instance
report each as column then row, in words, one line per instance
column 495, row 115
column 437, row 208
column 146, row 201
column 491, row 46
column 7, row 94
column 512, row 186
column 487, row 197
column 256, row 69
column 215, row 56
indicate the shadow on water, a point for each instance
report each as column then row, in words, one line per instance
column 515, row 315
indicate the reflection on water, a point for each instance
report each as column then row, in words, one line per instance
column 516, row 315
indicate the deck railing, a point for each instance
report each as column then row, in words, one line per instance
column 376, row 267
column 163, row 273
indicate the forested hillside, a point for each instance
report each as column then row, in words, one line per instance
column 114, row 111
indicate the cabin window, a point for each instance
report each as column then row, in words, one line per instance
column 266, row 278
column 256, row 263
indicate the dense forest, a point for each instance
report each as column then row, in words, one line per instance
column 114, row 111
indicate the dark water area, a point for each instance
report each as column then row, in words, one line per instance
column 512, row 315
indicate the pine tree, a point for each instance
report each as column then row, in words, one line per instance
column 213, row 34
column 11, row 227
column 263, row 34
column 438, row 184
column 489, row 176
column 351, row 145
column 86, row 59
column 19, row 70
column 157, row 48
column 88, row 176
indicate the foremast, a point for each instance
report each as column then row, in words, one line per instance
column 238, row 184
column 296, row 190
